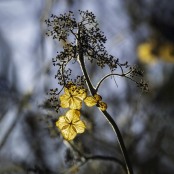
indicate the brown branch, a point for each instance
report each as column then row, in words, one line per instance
column 105, row 113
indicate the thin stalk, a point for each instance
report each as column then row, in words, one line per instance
column 113, row 74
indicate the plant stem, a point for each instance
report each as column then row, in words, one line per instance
column 120, row 140
column 105, row 113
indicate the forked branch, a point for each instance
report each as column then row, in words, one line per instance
column 105, row 113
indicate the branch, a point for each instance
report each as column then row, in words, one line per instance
column 114, row 74
column 94, row 157
column 105, row 113
column 82, row 65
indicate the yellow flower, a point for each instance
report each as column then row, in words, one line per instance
column 145, row 53
column 70, row 125
column 96, row 100
column 73, row 97
column 163, row 52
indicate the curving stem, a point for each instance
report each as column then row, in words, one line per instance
column 105, row 113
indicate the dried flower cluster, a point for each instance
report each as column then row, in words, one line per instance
column 84, row 39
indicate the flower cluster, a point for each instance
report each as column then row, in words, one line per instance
column 70, row 125
column 73, row 97
column 64, row 28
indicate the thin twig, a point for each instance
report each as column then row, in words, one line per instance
column 114, row 74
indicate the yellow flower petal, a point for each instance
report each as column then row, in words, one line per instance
column 73, row 115
column 64, row 101
column 79, row 126
column 67, row 92
column 69, row 133
column 97, row 97
column 75, row 103
column 90, row 101
column 61, row 122
column 102, row 106
column 72, row 89
column 81, row 93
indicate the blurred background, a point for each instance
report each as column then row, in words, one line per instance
column 138, row 31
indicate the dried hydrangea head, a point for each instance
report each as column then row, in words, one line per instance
column 70, row 125
column 73, row 97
